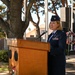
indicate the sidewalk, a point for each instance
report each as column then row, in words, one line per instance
column 6, row 73
column 70, row 65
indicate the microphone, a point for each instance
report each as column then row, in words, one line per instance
column 42, row 34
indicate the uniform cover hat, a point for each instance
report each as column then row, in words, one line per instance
column 55, row 18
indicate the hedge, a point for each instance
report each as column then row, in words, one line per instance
column 3, row 55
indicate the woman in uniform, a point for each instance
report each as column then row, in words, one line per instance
column 57, row 40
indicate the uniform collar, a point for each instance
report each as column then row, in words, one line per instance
column 54, row 32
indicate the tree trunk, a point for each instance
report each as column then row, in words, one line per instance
column 38, row 31
column 15, row 27
column 15, row 19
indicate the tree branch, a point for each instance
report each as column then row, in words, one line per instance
column 54, row 7
column 35, row 5
column 27, row 16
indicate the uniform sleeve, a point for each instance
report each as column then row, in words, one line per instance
column 61, row 45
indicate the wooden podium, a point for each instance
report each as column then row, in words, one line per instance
column 28, row 57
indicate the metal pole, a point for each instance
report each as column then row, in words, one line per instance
column 72, row 17
column 46, row 19
column 72, row 25
column 24, row 17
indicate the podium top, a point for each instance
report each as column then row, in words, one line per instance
column 21, row 43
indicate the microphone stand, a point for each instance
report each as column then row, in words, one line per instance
column 42, row 34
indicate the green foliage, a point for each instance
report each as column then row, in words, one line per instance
column 2, row 7
column 3, row 55
column 2, row 34
column 3, row 10
column 40, row 5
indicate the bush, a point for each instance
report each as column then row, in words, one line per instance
column 4, row 55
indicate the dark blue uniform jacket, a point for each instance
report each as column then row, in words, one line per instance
column 56, row 56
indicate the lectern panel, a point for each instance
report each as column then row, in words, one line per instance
column 28, row 57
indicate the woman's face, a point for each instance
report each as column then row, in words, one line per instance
column 53, row 25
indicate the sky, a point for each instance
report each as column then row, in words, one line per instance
column 1, row 2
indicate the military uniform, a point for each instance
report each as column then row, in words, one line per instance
column 56, row 56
